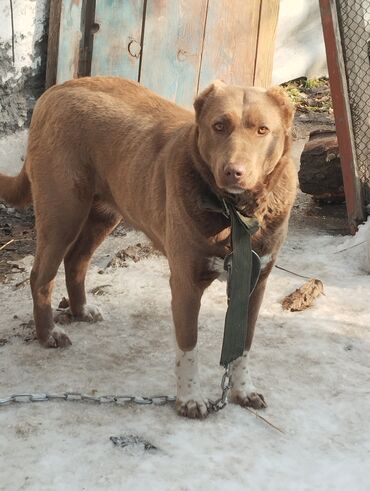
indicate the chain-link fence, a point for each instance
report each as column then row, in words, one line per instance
column 354, row 21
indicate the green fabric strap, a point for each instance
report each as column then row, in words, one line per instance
column 243, row 266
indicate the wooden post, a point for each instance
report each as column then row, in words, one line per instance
column 70, row 36
column 230, row 42
column 88, row 26
column 269, row 14
column 342, row 113
column 53, row 42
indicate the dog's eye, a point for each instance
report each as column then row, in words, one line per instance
column 262, row 130
column 219, row 126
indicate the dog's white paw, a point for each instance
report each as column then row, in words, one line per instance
column 189, row 402
column 243, row 392
column 194, row 408
column 248, row 399
column 57, row 339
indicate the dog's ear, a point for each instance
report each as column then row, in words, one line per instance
column 286, row 107
column 202, row 97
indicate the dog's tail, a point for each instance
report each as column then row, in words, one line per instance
column 16, row 191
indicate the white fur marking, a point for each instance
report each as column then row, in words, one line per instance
column 187, row 378
column 241, row 380
column 216, row 264
column 265, row 260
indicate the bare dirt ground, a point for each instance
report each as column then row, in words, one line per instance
column 17, row 239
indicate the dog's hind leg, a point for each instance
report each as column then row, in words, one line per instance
column 60, row 216
column 101, row 221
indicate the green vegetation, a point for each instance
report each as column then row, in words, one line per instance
column 310, row 94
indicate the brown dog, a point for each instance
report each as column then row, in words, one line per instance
column 102, row 148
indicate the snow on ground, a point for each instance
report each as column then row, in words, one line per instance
column 313, row 368
column 12, row 152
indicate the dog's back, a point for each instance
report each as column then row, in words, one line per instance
column 109, row 135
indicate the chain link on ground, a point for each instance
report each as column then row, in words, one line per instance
column 156, row 400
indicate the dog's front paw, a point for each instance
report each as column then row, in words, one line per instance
column 194, row 408
column 251, row 399
column 243, row 391
column 57, row 339
column 190, row 402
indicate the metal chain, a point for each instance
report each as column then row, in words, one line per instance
column 215, row 406
column 78, row 396
column 157, row 400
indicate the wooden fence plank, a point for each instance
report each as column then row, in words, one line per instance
column 69, row 40
column 230, row 42
column 88, row 28
column 118, row 39
column 172, row 48
column 53, row 42
column 269, row 14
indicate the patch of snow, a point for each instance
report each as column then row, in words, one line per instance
column 12, row 152
column 299, row 47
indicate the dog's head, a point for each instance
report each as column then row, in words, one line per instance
column 242, row 133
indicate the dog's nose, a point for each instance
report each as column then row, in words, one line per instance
column 234, row 173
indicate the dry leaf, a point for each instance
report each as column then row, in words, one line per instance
column 303, row 297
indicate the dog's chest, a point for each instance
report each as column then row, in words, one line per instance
column 265, row 242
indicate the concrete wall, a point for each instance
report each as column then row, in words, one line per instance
column 21, row 81
column 300, row 49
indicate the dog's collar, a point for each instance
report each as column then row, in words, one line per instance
column 217, row 204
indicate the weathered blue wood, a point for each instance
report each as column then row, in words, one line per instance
column 172, row 48
column 117, row 42
column 230, row 43
column 69, row 40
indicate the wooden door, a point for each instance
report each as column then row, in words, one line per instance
column 174, row 47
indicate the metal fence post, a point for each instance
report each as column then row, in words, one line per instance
column 342, row 113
